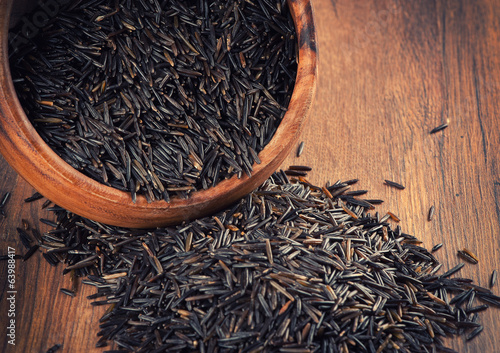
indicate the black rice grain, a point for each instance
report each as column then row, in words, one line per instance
column 468, row 256
column 300, row 149
column 493, row 278
column 54, row 348
column 431, row 213
column 30, row 252
column 394, row 184
column 437, row 247
column 439, row 128
column 67, row 292
column 5, row 199
column 36, row 196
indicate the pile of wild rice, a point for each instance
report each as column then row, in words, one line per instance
column 291, row 268
column 159, row 97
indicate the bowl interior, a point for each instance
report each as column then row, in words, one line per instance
column 36, row 162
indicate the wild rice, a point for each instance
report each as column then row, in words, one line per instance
column 394, row 184
column 54, row 348
column 439, row 128
column 5, row 198
column 493, row 278
column 159, row 98
column 468, row 256
column 288, row 268
column 300, row 149
column 36, row 196
column 67, row 292
column 437, row 247
column 431, row 213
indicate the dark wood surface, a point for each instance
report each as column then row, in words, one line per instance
column 390, row 71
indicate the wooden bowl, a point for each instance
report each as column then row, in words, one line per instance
column 36, row 162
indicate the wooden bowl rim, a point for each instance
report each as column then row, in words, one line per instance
column 49, row 174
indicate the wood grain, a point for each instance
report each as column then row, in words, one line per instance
column 390, row 71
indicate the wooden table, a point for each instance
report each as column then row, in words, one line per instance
column 390, row 71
